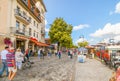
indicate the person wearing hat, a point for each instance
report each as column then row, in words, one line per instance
column 4, row 63
column 11, row 64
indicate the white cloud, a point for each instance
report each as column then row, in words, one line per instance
column 117, row 8
column 80, row 40
column 47, row 29
column 107, row 31
column 81, row 26
column 46, row 22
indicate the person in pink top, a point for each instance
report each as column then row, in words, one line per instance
column 118, row 74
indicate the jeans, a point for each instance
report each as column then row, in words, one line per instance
column 4, row 67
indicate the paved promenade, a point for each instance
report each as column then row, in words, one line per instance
column 92, row 70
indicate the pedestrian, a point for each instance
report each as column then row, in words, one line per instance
column 4, row 62
column 27, row 53
column 71, row 54
column 42, row 53
column 19, row 57
column 39, row 53
column 118, row 74
column 59, row 54
column 10, row 57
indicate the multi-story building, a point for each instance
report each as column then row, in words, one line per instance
column 23, row 21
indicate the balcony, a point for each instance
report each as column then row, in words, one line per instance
column 22, row 17
column 30, row 7
column 25, row 2
column 14, row 30
column 42, row 32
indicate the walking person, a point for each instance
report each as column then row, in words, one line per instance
column 10, row 57
column 19, row 57
column 59, row 54
column 27, row 53
column 39, row 53
column 4, row 62
column 42, row 53
column 71, row 54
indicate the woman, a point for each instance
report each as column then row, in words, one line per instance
column 118, row 74
column 19, row 58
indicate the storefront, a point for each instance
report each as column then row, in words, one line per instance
column 22, row 43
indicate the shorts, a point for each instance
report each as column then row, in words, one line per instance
column 19, row 65
column 12, row 69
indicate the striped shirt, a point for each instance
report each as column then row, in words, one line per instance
column 10, row 56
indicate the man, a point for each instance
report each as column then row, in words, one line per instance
column 10, row 57
column 4, row 63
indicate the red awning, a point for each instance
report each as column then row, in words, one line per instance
column 42, row 44
column 38, row 43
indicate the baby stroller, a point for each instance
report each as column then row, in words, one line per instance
column 26, row 63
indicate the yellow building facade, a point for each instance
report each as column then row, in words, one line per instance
column 23, row 21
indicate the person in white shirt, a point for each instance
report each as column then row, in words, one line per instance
column 19, row 58
column 4, row 63
column 39, row 53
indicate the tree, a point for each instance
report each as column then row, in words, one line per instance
column 83, row 44
column 60, row 32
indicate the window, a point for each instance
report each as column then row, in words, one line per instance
column 24, row 28
column 30, row 30
column 24, row 14
column 34, row 33
column 17, row 24
column 34, row 23
column 18, row 10
column 37, row 25
column 37, row 35
column 30, row 19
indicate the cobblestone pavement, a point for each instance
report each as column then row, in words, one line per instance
column 92, row 70
column 65, row 69
column 49, row 69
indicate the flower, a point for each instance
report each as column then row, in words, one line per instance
column 7, row 41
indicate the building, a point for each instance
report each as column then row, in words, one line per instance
column 23, row 21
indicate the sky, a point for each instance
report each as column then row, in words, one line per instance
column 95, row 20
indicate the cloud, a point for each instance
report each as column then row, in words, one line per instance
column 46, row 22
column 81, row 26
column 117, row 8
column 107, row 32
column 47, row 29
column 80, row 40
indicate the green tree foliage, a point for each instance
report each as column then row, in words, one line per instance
column 60, row 32
column 83, row 44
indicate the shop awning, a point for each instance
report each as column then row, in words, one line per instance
column 38, row 43
column 42, row 44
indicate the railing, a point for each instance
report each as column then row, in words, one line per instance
column 19, row 31
column 32, row 9
column 20, row 14
column 25, row 2
column 42, row 32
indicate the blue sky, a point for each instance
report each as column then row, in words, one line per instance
column 97, row 20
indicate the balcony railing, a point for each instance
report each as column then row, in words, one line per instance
column 19, row 31
column 31, row 8
column 25, row 2
column 19, row 14
column 42, row 32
